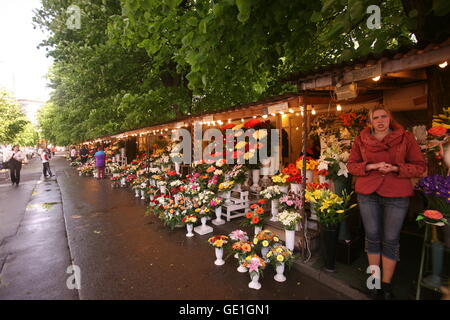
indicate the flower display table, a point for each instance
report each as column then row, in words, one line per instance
column 238, row 207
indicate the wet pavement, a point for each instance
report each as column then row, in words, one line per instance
column 121, row 253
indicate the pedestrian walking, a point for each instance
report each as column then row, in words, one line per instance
column 84, row 154
column 100, row 157
column 14, row 160
column 45, row 163
column 73, row 154
column 384, row 157
column 54, row 150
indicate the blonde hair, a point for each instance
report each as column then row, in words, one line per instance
column 380, row 107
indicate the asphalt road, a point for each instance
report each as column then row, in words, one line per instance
column 120, row 252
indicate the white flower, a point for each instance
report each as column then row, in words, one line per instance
column 220, row 163
column 218, row 172
column 323, row 165
column 343, row 170
column 344, row 156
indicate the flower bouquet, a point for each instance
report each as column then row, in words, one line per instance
column 218, row 242
column 189, row 222
column 265, row 239
column 432, row 217
column 436, row 189
column 271, row 193
column 256, row 216
column 279, row 256
column 291, row 201
column 238, row 235
column 255, row 266
column 289, row 219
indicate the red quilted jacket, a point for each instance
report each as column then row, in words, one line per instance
column 399, row 148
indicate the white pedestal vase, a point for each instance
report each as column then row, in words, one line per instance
column 257, row 230
column 162, row 189
column 152, row 182
column 177, row 167
column 241, row 268
column 254, row 284
column 123, row 182
column 246, row 184
column 274, row 205
column 264, row 251
column 280, row 273
column 265, row 171
column 136, row 193
column 117, row 157
column 203, row 229
column 218, row 221
column 142, row 194
column 284, row 189
column 122, row 152
column 79, row 173
column 290, row 239
column 255, row 178
column 227, row 196
column 189, row 228
column 219, row 255
column 296, row 188
column 152, row 197
column 322, row 180
column 309, row 176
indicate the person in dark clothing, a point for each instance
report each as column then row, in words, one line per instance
column 84, row 154
column 15, row 164
column 45, row 163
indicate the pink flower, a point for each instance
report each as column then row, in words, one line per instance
column 254, row 264
column 289, row 203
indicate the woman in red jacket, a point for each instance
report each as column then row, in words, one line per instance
column 384, row 158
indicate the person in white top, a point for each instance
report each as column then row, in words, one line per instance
column 73, row 154
column 15, row 159
column 45, row 164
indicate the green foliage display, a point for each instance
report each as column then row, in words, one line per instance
column 12, row 118
column 139, row 62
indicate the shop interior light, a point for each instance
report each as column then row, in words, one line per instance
column 273, row 114
column 242, row 120
column 301, row 112
column 229, row 120
column 376, row 78
column 265, row 116
column 297, row 114
column 443, row 64
column 291, row 111
column 338, row 107
column 313, row 111
column 254, row 117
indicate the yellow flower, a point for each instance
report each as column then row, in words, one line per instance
column 269, row 254
column 276, row 239
column 255, row 241
column 260, row 134
column 280, row 258
column 248, row 155
column 241, row 144
column 340, row 211
column 197, row 210
column 265, row 243
column 218, row 243
column 237, row 127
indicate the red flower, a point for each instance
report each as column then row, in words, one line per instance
column 433, row 214
column 251, row 123
column 249, row 215
column 261, row 201
column 437, row 131
column 255, row 220
column 228, row 126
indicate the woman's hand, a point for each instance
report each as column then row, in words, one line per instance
column 375, row 166
column 388, row 168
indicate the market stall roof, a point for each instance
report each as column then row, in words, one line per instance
column 396, row 67
column 258, row 108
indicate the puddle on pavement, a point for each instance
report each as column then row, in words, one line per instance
column 75, row 216
column 46, row 206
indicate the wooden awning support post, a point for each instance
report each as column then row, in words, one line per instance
column 303, row 223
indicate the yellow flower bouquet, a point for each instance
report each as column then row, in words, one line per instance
column 280, row 254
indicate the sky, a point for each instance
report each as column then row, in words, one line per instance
column 23, row 67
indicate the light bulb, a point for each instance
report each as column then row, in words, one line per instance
column 376, row 78
column 313, row 111
column 338, row 107
column 273, row 114
column 291, row 111
column 265, row 116
column 443, row 64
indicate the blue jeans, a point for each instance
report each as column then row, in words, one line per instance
column 383, row 220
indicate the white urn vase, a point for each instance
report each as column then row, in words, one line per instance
column 296, row 188
column 162, row 189
column 264, row 251
column 280, row 273
column 274, row 205
column 142, row 194
column 241, row 268
column 255, row 178
column 284, row 189
column 290, row 239
column 136, row 193
column 123, row 182
column 189, row 227
column 218, row 221
column 203, row 228
column 254, row 284
column 257, row 230
column 177, row 167
column 219, row 255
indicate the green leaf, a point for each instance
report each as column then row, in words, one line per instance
column 187, row 39
column 172, row 4
column 192, row 21
column 327, row 5
column 244, row 7
column 357, row 10
column 202, row 25
column 316, row 16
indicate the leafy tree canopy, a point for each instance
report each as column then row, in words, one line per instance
column 12, row 118
column 139, row 62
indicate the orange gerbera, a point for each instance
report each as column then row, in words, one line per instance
column 291, row 166
column 294, row 172
column 260, row 211
column 249, row 215
column 253, row 206
column 246, row 247
column 255, row 220
column 236, row 246
column 286, row 171
column 261, row 201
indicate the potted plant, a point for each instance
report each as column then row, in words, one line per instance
column 264, row 240
column 189, row 221
column 272, row 193
column 289, row 219
column 218, row 242
column 279, row 256
column 255, row 266
column 256, row 216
